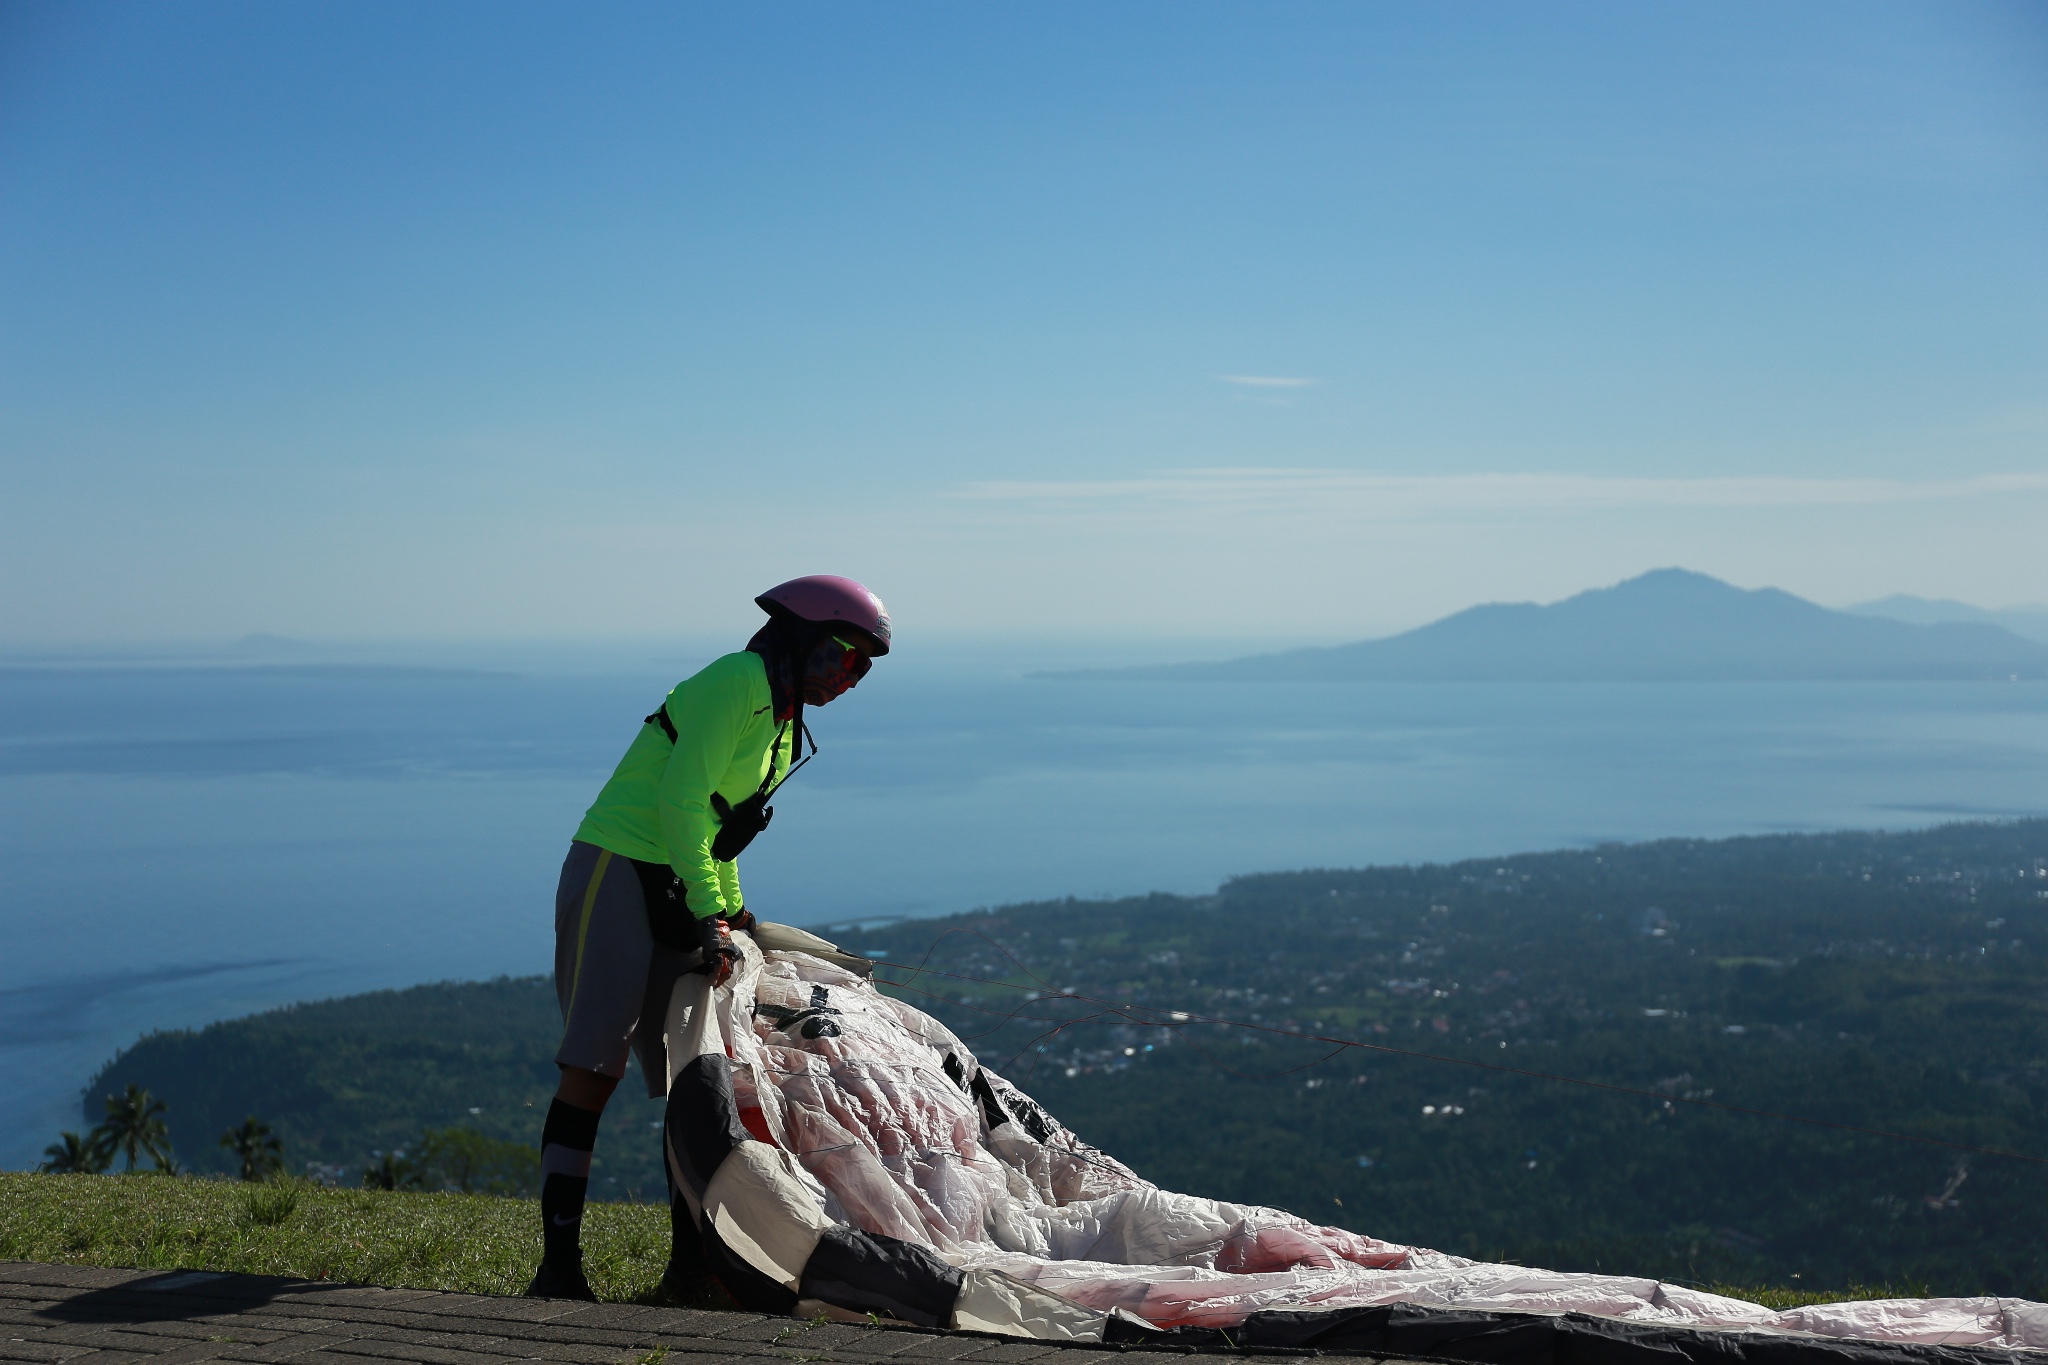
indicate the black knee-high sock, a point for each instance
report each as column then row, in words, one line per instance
column 565, row 1142
column 686, row 1261
column 685, row 1244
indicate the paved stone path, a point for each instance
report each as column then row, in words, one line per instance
column 155, row 1317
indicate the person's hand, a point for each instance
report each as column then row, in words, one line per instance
column 720, row 954
column 741, row 919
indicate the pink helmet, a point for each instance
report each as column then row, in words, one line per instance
column 827, row 598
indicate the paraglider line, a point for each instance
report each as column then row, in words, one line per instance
column 1340, row 1044
column 1002, row 1016
column 976, row 933
column 1010, row 1016
column 1049, row 1033
column 1228, row 1069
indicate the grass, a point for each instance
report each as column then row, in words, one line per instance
column 472, row 1243
column 1782, row 1299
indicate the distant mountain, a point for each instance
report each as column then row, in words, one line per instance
column 1669, row 625
column 2028, row 621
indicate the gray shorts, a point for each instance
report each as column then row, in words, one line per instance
column 612, row 979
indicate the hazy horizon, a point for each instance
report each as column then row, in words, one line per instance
column 953, row 644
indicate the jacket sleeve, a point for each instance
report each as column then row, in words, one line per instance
column 729, row 873
column 729, row 886
column 708, row 717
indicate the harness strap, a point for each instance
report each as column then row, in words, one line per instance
column 769, row 784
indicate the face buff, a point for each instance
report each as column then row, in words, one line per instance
column 833, row 669
column 775, row 643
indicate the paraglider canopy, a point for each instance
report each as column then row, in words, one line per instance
column 844, row 1153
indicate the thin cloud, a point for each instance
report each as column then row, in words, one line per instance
column 1265, row 381
column 1396, row 497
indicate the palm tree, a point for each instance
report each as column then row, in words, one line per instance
column 88, row 1155
column 259, row 1150
column 135, row 1125
column 393, row 1172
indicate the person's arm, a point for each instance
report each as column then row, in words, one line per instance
column 709, row 714
column 729, row 872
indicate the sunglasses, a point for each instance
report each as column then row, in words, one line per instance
column 857, row 660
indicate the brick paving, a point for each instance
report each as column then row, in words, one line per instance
column 154, row 1317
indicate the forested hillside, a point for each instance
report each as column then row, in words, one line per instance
column 345, row 1081
column 1893, row 982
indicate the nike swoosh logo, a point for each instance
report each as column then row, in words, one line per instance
column 559, row 1221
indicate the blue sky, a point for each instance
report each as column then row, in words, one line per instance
column 514, row 320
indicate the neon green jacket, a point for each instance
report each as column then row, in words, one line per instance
column 657, row 805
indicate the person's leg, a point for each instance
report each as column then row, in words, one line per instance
column 566, row 1140
column 687, row 1278
column 601, row 956
column 590, row 1090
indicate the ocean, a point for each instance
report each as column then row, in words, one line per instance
column 183, row 842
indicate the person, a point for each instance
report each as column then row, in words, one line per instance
column 650, row 889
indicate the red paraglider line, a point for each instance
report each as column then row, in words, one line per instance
column 1110, row 1006
column 1230, row 1070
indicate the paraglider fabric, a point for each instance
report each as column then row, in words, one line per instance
column 844, row 1153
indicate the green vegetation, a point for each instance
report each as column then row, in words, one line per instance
column 1782, row 1299
column 134, row 1126
column 1894, row 982
column 418, row 1089
column 75, row 1155
column 473, row 1243
column 256, row 1148
column 459, row 1159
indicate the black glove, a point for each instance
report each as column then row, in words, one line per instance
column 720, row 956
column 741, row 919
column 673, row 926
column 668, row 908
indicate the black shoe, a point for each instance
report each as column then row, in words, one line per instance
column 554, row 1281
column 684, row 1288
